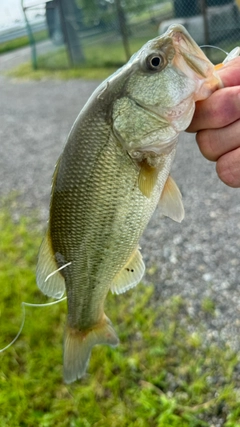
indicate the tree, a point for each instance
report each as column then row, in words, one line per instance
column 123, row 27
column 70, row 27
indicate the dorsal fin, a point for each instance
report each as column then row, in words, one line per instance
column 130, row 275
column 171, row 201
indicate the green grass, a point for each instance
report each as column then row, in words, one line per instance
column 22, row 41
column 101, row 60
column 162, row 373
column 26, row 72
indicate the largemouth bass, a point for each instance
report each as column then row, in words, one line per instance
column 112, row 174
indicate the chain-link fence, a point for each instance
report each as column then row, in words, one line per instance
column 210, row 22
column 107, row 32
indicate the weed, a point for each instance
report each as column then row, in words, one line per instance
column 160, row 375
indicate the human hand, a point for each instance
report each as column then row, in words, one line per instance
column 217, row 123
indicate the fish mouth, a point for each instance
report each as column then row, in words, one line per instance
column 192, row 61
column 186, row 47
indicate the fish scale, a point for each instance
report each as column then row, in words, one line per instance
column 112, row 174
column 106, row 211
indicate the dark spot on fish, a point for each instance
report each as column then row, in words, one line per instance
column 130, row 270
column 60, row 259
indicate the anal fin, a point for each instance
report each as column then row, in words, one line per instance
column 130, row 275
column 171, row 201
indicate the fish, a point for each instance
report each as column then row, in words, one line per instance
column 112, row 174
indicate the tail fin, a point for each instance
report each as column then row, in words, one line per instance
column 78, row 346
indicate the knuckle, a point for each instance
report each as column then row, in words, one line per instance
column 206, row 144
column 228, row 169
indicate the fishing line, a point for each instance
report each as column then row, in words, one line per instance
column 214, row 47
column 234, row 53
column 56, row 271
column 28, row 304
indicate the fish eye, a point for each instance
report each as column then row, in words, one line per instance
column 155, row 62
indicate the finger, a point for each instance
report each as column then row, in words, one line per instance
column 220, row 109
column 214, row 143
column 229, row 73
column 228, row 168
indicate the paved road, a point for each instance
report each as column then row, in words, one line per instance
column 197, row 259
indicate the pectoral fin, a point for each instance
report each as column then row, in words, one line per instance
column 147, row 178
column 171, row 201
column 49, row 279
column 130, row 275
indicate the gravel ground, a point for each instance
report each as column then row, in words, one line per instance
column 197, row 259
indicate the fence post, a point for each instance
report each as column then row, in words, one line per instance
column 31, row 38
column 205, row 21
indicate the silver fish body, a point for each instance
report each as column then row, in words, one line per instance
column 109, row 179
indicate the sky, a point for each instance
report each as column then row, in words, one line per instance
column 11, row 12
